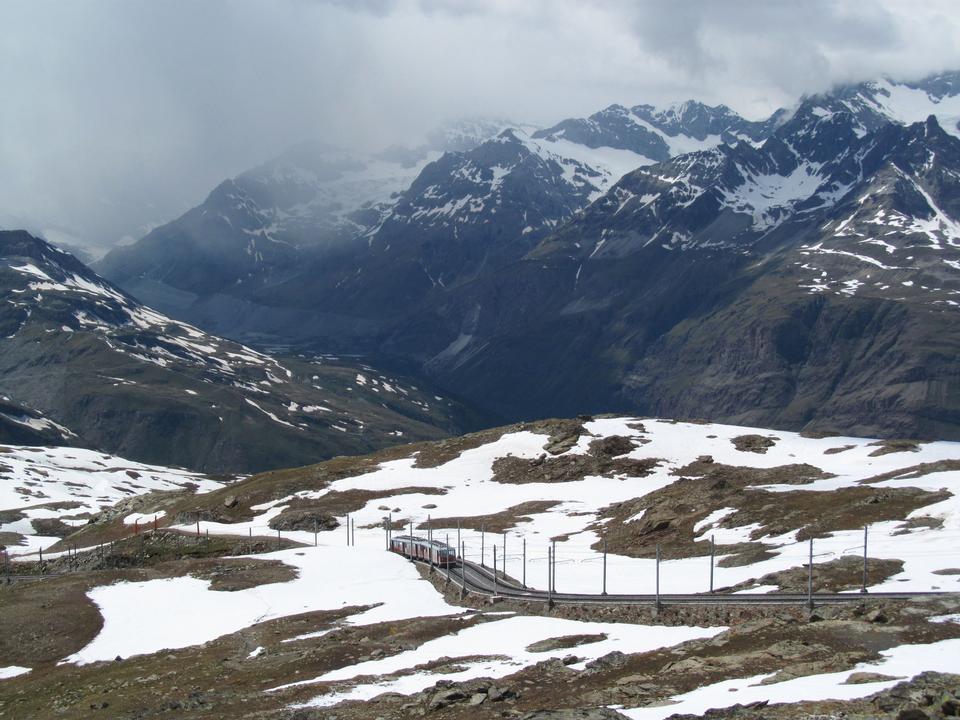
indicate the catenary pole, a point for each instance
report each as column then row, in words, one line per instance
column 658, row 576
column 713, row 549
column 604, row 566
column 524, row 562
column 549, row 576
column 863, row 588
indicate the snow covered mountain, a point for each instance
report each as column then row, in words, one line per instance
column 118, row 376
column 660, row 133
column 280, row 235
column 810, row 281
column 796, row 272
column 258, row 226
column 805, row 281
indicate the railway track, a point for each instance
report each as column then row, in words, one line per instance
column 480, row 580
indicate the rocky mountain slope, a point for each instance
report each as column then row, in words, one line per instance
column 112, row 374
column 20, row 425
column 257, row 604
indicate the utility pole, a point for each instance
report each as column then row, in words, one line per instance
column 524, row 562
column 549, row 577
column 482, row 546
column 458, row 533
column 713, row 548
column 353, row 532
column 604, row 566
column 347, row 523
column 810, row 577
column 429, row 530
column 658, row 576
column 494, row 570
column 863, row 588
column 446, row 555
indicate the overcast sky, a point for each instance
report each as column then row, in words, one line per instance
column 116, row 115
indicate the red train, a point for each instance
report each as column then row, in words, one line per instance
column 417, row 548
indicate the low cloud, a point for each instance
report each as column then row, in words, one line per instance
column 118, row 114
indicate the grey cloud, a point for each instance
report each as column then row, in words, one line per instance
column 118, row 114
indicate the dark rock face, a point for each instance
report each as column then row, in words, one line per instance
column 305, row 520
column 22, row 426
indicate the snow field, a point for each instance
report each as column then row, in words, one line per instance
column 504, row 643
column 183, row 611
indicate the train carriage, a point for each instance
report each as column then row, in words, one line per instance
column 418, row 548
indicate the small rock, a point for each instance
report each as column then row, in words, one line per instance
column 444, row 698
column 875, row 616
column 229, row 501
column 477, row 699
column 859, row 678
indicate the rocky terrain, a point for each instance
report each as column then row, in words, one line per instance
column 258, row 605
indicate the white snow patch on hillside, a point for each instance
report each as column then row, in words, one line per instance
column 510, row 638
column 12, row 671
column 902, row 661
column 145, row 617
column 909, row 105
